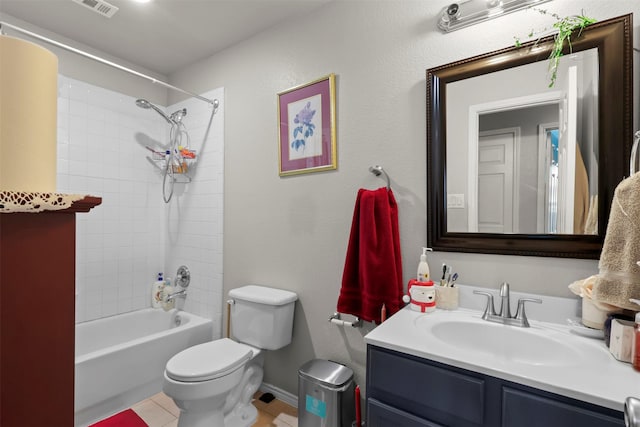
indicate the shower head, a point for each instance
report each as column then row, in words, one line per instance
column 143, row 103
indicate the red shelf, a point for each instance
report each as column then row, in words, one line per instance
column 37, row 315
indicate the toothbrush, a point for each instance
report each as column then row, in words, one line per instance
column 453, row 279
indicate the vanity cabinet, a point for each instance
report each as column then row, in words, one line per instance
column 408, row 391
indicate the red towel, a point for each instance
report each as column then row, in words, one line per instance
column 373, row 267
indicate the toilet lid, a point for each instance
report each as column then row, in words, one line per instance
column 208, row 361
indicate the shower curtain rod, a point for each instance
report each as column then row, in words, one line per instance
column 104, row 61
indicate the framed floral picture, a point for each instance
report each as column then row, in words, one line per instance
column 307, row 127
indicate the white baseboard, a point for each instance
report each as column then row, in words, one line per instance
column 280, row 394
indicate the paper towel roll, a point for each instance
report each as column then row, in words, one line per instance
column 28, row 123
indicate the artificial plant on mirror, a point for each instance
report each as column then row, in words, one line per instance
column 566, row 27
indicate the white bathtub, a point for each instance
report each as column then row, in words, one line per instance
column 120, row 360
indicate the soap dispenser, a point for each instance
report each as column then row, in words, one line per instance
column 423, row 267
column 156, row 291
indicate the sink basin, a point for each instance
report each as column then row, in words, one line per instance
column 529, row 346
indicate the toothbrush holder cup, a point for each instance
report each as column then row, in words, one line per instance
column 447, row 297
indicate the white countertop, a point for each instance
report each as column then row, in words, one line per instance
column 592, row 375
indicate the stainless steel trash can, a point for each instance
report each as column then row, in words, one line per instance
column 325, row 394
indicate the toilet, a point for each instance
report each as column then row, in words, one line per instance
column 213, row 383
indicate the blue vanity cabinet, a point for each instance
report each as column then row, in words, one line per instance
column 382, row 415
column 408, row 391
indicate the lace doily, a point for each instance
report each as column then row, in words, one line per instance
column 21, row 201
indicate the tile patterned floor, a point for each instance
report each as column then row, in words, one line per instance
column 160, row 411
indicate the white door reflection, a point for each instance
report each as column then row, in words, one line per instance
column 503, row 175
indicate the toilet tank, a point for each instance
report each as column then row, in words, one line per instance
column 262, row 316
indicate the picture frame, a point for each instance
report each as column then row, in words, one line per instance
column 307, row 128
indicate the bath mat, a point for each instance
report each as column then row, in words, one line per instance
column 126, row 418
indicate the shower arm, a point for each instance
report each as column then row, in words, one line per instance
column 3, row 24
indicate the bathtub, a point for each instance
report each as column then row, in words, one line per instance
column 120, row 360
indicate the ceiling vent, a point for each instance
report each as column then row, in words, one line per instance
column 99, row 6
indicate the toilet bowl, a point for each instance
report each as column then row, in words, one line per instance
column 213, row 383
column 208, row 381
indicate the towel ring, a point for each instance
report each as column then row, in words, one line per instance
column 377, row 171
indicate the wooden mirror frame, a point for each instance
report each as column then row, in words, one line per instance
column 613, row 39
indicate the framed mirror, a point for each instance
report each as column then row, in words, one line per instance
column 517, row 167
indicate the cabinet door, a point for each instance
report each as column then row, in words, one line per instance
column 381, row 415
column 37, row 326
column 523, row 409
column 427, row 389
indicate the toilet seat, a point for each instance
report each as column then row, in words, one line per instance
column 208, row 361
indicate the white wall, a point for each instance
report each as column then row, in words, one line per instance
column 119, row 244
column 292, row 232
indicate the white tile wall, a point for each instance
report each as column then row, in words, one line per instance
column 123, row 243
column 194, row 231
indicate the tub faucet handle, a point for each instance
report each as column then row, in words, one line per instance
column 183, row 276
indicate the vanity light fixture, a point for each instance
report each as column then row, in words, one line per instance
column 469, row 12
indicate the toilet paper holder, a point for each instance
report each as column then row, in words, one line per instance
column 336, row 319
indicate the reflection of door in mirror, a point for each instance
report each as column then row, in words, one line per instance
column 547, row 211
column 567, row 146
column 497, row 175
column 521, row 160
column 504, row 172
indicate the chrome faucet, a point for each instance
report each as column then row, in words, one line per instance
column 181, row 293
column 504, row 316
column 505, row 310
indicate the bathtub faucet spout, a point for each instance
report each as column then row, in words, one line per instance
column 182, row 294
